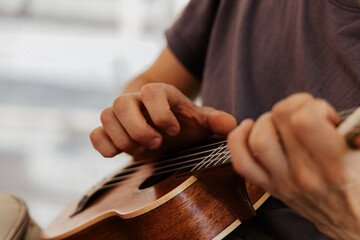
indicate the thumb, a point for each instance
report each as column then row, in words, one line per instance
column 219, row 122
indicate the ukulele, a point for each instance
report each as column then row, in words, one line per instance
column 190, row 194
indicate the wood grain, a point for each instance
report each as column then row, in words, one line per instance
column 203, row 207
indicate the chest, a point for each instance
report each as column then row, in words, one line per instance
column 262, row 51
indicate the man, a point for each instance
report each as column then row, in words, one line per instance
column 245, row 56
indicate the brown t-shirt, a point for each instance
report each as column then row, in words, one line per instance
column 249, row 54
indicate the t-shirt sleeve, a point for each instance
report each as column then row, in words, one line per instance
column 188, row 37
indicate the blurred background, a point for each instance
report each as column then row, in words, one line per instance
column 61, row 63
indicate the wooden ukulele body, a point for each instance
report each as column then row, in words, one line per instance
column 207, row 206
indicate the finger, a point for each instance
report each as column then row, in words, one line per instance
column 303, row 171
column 158, row 100
column 102, row 143
column 221, row 123
column 281, row 114
column 314, row 127
column 117, row 133
column 213, row 120
column 162, row 101
column 128, row 112
column 242, row 160
column 264, row 143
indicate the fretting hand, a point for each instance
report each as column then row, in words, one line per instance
column 296, row 153
column 157, row 117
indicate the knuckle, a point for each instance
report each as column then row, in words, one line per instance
column 119, row 145
column 106, row 116
column 335, row 176
column 95, row 137
column 121, row 103
column 259, row 142
column 124, row 145
column 303, row 180
column 306, row 181
column 164, row 119
column 150, row 89
column 281, row 110
column 138, row 135
column 302, row 121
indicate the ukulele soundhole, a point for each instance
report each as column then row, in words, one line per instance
column 155, row 179
column 99, row 190
column 189, row 161
column 163, row 168
column 175, row 163
column 123, row 174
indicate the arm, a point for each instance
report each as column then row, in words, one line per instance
column 296, row 153
column 155, row 111
column 166, row 69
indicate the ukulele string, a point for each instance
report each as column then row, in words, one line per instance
column 208, row 158
column 226, row 159
column 187, row 150
column 153, row 162
column 342, row 115
column 224, row 148
column 218, row 159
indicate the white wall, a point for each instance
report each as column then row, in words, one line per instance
column 61, row 63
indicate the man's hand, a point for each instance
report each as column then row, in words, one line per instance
column 296, row 153
column 157, row 116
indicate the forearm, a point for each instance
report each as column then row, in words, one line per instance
column 191, row 90
column 166, row 69
column 136, row 84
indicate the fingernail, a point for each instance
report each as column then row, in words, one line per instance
column 172, row 131
column 155, row 143
column 139, row 150
column 245, row 123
